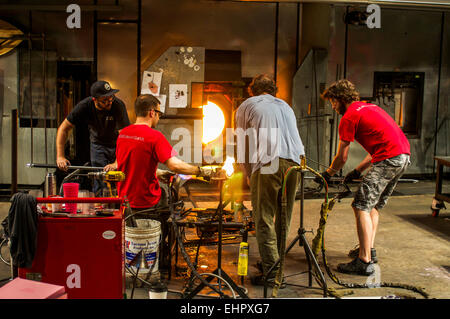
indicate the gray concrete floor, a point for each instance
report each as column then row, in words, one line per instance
column 412, row 247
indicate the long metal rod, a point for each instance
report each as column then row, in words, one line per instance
column 346, row 45
column 220, row 228
column 44, row 85
column 339, row 179
column 436, row 124
column 39, row 7
column 30, row 85
column 298, row 34
column 87, row 168
column 111, row 200
column 302, row 196
column 139, row 44
column 14, row 120
column 95, row 43
column 30, row 89
column 275, row 67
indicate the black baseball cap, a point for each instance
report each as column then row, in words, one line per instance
column 102, row 88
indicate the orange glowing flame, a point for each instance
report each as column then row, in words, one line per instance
column 228, row 166
column 213, row 122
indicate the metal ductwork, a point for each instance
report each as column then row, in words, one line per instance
column 444, row 4
column 57, row 7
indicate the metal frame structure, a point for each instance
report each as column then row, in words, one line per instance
column 138, row 23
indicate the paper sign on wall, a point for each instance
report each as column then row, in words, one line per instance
column 178, row 95
column 162, row 100
column 151, row 83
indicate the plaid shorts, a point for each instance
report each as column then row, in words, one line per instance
column 379, row 183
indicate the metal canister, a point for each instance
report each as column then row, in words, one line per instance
column 50, row 185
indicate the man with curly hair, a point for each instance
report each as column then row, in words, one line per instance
column 274, row 126
column 387, row 159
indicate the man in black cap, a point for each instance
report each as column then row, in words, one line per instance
column 104, row 115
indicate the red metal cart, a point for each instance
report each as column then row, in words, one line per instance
column 83, row 253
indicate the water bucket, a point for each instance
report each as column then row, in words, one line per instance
column 146, row 237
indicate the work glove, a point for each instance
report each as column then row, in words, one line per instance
column 206, row 173
column 352, row 176
column 325, row 175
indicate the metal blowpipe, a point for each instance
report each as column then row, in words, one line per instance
column 338, row 179
column 88, row 168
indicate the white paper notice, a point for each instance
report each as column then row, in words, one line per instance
column 162, row 100
column 178, row 95
column 151, row 83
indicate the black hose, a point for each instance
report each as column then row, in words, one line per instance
column 334, row 278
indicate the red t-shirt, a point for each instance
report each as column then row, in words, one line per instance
column 139, row 150
column 374, row 129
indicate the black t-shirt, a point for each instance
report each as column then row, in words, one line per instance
column 103, row 125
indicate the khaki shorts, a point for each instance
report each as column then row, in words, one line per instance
column 379, row 183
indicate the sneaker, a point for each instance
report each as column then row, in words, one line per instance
column 357, row 266
column 258, row 280
column 353, row 253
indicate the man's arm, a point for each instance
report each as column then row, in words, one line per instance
column 340, row 158
column 112, row 166
column 365, row 163
column 356, row 173
column 61, row 139
column 178, row 166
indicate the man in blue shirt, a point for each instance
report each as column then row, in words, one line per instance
column 274, row 146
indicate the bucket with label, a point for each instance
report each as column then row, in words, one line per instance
column 146, row 238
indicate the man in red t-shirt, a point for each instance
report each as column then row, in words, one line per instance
column 388, row 157
column 139, row 150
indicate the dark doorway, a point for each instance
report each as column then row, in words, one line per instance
column 74, row 79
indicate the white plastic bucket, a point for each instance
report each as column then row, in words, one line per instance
column 146, row 237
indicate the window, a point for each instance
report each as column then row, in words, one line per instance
column 401, row 95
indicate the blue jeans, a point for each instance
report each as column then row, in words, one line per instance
column 101, row 156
